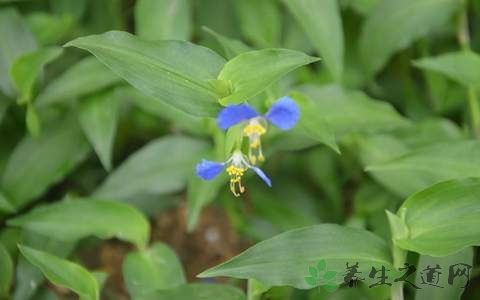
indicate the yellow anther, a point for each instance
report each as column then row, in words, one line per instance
column 255, row 144
column 254, row 129
column 235, row 171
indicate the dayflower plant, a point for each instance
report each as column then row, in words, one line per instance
column 235, row 167
column 284, row 114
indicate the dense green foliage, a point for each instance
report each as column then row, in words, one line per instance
column 107, row 106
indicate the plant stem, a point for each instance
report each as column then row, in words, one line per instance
column 474, row 111
column 399, row 256
column 463, row 36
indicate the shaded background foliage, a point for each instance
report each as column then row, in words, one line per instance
column 97, row 162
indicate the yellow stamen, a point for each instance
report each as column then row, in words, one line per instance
column 254, row 128
column 236, row 174
column 255, row 143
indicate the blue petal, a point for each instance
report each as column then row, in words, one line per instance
column 262, row 175
column 208, row 170
column 234, row 114
column 284, row 113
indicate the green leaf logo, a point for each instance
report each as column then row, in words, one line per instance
column 328, row 275
column 321, row 265
column 313, row 271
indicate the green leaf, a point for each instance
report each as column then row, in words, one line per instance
column 163, row 20
column 198, row 291
column 313, row 271
column 329, row 275
column 349, row 111
column 361, row 6
column 50, row 29
column 310, row 281
column 425, row 214
column 163, row 166
column 199, row 194
column 282, row 259
column 322, row 23
column 393, row 25
column 98, row 115
column 155, row 268
column 438, row 162
column 73, row 9
column 28, row 67
column 252, row 72
column 85, row 77
column 6, row 275
column 63, row 273
column 5, row 205
column 231, row 47
column 448, row 292
column 28, row 278
column 330, row 286
column 381, row 148
column 462, row 66
column 260, row 21
column 180, row 119
column 321, row 265
column 175, row 72
column 16, row 40
column 312, row 122
column 37, row 163
column 77, row 219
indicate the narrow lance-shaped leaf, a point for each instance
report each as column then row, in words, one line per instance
column 175, row 72
column 252, row 72
column 85, row 77
column 98, row 115
column 28, row 278
column 5, row 205
column 376, row 150
column 155, row 268
column 260, row 21
column 16, row 40
column 463, row 66
column 392, row 25
column 163, row 20
column 162, row 166
column 50, row 29
column 36, row 163
column 448, row 292
column 6, row 274
column 179, row 119
column 441, row 161
column 285, row 259
column 27, row 68
column 312, row 122
column 322, row 23
column 441, row 219
column 63, row 273
column 348, row 111
column 231, row 47
column 77, row 219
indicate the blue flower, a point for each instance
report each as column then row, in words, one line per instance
column 284, row 114
column 235, row 167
